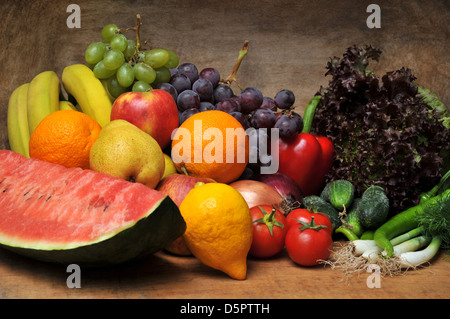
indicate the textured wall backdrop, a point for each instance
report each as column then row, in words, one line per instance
column 290, row 40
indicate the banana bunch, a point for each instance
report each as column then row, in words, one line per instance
column 17, row 120
column 67, row 105
column 43, row 97
column 28, row 105
column 31, row 102
column 92, row 97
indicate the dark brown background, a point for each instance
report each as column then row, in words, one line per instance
column 290, row 43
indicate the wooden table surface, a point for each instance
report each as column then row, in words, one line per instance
column 290, row 43
column 163, row 276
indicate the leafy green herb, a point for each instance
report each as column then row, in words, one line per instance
column 435, row 219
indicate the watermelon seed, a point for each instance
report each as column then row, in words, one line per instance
column 48, row 198
column 106, row 207
column 25, row 194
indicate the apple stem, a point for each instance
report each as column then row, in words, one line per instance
column 232, row 77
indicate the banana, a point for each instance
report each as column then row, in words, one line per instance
column 66, row 105
column 43, row 97
column 105, row 85
column 80, row 81
column 17, row 121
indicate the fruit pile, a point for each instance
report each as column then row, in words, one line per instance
column 110, row 123
column 196, row 92
column 138, row 115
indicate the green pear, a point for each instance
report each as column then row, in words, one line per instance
column 125, row 151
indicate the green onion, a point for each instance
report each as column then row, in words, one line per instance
column 411, row 245
column 413, row 259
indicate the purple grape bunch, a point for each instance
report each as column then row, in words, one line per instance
column 198, row 91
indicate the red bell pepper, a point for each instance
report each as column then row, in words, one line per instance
column 307, row 158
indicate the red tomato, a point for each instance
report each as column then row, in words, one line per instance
column 269, row 231
column 303, row 215
column 308, row 244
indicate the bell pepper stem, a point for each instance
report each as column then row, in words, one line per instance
column 308, row 115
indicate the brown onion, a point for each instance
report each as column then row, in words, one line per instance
column 258, row 193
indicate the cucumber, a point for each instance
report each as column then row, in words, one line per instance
column 321, row 206
column 375, row 188
column 325, row 194
column 373, row 208
column 341, row 193
column 352, row 220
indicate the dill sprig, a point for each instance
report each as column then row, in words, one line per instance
column 435, row 219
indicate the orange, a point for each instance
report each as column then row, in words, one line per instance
column 219, row 230
column 211, row 144
column 64, row 137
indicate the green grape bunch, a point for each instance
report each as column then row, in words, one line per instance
column 124, row 65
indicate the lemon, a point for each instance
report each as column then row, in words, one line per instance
column 219, row 229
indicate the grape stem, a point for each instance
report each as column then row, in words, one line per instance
column 148, row 44
column 138, row 38
column 232, row 77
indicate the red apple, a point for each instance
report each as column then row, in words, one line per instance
column 155, row 112
column 178, row 247
column 177, row 186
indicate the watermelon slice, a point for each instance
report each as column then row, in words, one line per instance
column 70, row 215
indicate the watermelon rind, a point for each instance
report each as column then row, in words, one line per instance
column 160, row 226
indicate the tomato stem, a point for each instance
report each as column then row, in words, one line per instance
column 311, row 225
column 269, row 220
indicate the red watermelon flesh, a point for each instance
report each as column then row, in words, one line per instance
column 44, row 206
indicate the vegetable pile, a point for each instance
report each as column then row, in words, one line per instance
column 389, row 132
column 407, row 240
